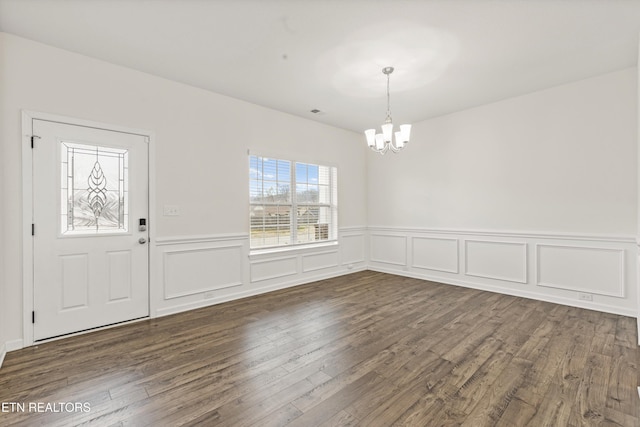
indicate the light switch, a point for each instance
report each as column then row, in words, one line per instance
column 171, row 210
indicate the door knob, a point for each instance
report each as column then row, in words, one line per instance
column 142, row 240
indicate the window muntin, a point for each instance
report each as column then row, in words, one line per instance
column 291, row 203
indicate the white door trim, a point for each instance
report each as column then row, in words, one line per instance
column 27, row 208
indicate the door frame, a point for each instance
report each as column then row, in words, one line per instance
column 27, row 210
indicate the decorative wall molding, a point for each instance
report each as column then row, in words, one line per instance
column 624, row 238
column 204, row 269
column 353, row 229
column 493, row 262
column 435, row 253
column 274, row 268
column 296, row 281
column 456, row 257
column 292, row 250
column 594, row 272
column 388, row 248
column 593, row 268
column 353, row 248
column 514, row 291
column 320, row 261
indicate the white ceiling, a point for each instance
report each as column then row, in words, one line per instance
column 295, row 56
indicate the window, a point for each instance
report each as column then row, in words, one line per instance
column 94, row 189
column 291, row 203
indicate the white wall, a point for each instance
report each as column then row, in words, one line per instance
column 201, row 142
column 3, row 180
column 558, row 160
column 524, row 196
column 638, row 193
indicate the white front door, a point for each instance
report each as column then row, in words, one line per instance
column 91, row 257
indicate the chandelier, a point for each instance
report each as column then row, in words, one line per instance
column 383, row 142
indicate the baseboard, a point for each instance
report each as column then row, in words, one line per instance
column 252, row 292
column 513, row 292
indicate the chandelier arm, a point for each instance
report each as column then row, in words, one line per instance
column 382, row 150
column 396, row 149
column 379, row 150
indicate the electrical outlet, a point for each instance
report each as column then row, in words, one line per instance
column 208, row 295
column 585, row 297
column 171, row 210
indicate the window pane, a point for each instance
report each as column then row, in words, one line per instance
column 254, row 171
column 255, row 191
column 269, row 169
column 324, row 215
column 284, row 235
column 256, row 215
column 312, row 174
column 94, row 189
column 312, row 194
column 301, row 173
column 284, row 171
column 284, row 215
column 324, row 194
column 284, row 193
column 301, row 192
column 324, row 175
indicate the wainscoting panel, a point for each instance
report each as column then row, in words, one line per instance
column 320, row 261
column 596, row 272
column 580, row 268
column 202, row 270
column 274, row 268
column 388, row 249
column 434, row 253
column 352, row 248
column 194, row 271
column 496, row 260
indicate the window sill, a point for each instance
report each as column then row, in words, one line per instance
column 294, row 248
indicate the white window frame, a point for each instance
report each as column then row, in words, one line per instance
column 332, row 206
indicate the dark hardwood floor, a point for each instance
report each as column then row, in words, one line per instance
column 367, row 349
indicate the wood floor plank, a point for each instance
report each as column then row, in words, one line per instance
column 366, row 349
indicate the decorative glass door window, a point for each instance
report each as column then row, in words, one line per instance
column 94, row 189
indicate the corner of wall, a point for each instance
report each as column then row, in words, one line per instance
column 638, row 191
column 3, row 350
column 3, row 353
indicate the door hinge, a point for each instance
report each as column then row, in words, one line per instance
column 33, row 317
column 33, row 229
column 33, row 139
